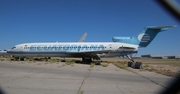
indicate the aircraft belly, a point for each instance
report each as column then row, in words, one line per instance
column 41, row 54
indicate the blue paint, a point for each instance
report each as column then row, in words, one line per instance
column 144, row 38
column 66, row 47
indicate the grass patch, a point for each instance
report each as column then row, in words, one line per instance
column 52, row 61
column 166, row 72
column 92, row 65
column 120, row 65
column 105, row 64
column 69, row 63
column 31, row 59
column 172, row 62
column 80, row 92
column 159, row 68
column 63, row 65
column 146, row 66
column 58, row 60
column 123, row 65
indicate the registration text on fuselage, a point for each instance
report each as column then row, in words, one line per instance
column 66, row 47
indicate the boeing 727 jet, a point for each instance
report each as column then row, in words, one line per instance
column 89, row 50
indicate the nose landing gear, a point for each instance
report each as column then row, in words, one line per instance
column 133, row 64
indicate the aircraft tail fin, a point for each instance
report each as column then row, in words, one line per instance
column 145, row 37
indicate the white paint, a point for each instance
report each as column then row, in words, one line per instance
column 140, row 36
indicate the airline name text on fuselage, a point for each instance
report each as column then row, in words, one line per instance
column 65, row 47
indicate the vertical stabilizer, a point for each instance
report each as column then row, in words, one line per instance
column 145, row 37
column 149, row 33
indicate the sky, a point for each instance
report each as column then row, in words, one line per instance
column 24, row 21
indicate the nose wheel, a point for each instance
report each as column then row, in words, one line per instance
column 133, row 64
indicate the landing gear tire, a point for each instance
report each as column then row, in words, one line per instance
column 133, row 64
column 21, row 59
column 130, row 64
column 138, row 65
column 63, row 60
column 16, row 58
column 86, row 60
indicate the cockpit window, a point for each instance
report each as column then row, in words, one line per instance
column 13, row 47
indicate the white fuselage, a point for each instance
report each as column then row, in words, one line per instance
column 68, row 49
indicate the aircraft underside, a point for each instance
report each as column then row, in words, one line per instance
column 86, row 58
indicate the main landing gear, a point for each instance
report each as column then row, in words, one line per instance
column 133, row 64
column 19, row 58
column 86, row 60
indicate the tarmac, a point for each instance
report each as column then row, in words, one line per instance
column 58, row 78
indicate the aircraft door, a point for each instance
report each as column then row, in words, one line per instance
column 121, row 48
column 79, row 48
column 110, row 46
column 21, row 49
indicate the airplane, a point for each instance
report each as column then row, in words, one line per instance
column 89, row 50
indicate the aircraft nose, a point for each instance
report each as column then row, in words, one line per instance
column 10, row 51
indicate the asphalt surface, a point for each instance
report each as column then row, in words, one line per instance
column 58, row 78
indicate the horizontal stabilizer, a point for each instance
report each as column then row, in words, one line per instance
column 161, row 27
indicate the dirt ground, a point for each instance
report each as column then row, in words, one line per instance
column 169, row 67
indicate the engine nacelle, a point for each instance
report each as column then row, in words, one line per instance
column 130, row 40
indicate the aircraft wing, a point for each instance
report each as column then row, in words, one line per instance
column 93, row 54
column 88, row 52
column 82, row 38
